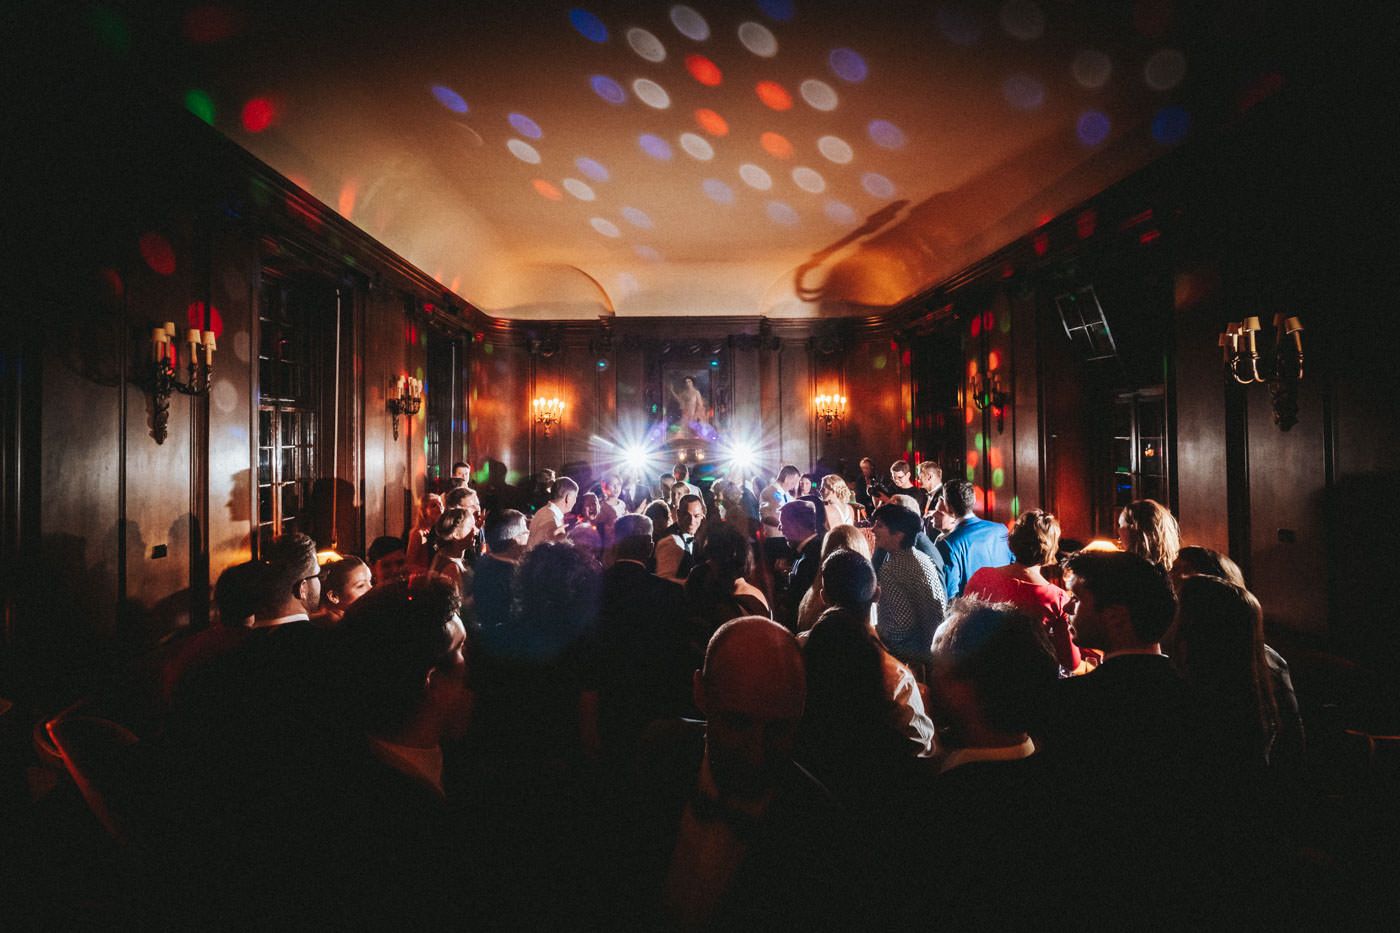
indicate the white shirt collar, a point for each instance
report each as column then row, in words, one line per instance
column 281, row 620
column 556, row 510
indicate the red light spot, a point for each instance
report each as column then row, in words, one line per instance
column 704, row 70
column 993, row 360
column 345, row 204
column 905, row 358
column 456, row 283
column 194, row 317
column 546, row 190
column 970, row 414
column 209, row 23
column 894, row 346
column 156, row 251
column 112, row 282
column 258, row 114
column 1043, row 220
column 1085, row 223
column 1042, row 243
column 939, row 420
column 991, row 500
column 776, row 145
column 1260, row 90
column 994, row 457
column 971, row 368
column 989, row 321
column 1136, row 219
column 972, row 458
column 304, row 213
column 1148, row 236
column 774, row 95
column 711, row 122
column 975, row 327
column 1007, row 270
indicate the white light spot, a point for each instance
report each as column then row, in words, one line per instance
column 836, row 149
column 755, row 177
column 224, row 396
column 839, row 213
column 523, row 151
column 578, row 189
column 819, row 95
column 605, row 227
column 689, row 23
column 241, row 346
column 626, row 285
column 808, row 180
column 1164, row 70
column 758, row 40
column 697, row 147
column 1091, row 69
column 877, row 186
column 646, row 45
column 782, row 213
column 651, row 93
column 637, row 218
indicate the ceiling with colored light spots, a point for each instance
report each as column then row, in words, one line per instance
column 779, row 157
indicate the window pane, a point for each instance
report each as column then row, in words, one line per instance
column 264, row 466
column 291, row 503
column 265, row 504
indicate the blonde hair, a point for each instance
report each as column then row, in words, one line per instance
column 1150, row 531
column 845, row 537
column 834, row 487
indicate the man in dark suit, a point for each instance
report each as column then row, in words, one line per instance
column 675, row 552
column 643, row 653
column 800, row 526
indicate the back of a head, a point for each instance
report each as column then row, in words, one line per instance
column 1117, row 578
column 238, row 591
column 389, row 640
column 1035, row 538
column 454, row 523
column 289, row 559
column 563, row 487
column 459, row 497
column 632, row 537
column 381, row 547
column 788, row 472
column 908, row 501
column 845, row 538
column 959, row 497
column 1220, row 631
column 848, row 581
column 801, row 516
column 727, row 551
column 503, row 527
column 660, row 515
column 753, row 655
column 558, row 586
column 1003, row 654
column 1150, row 531
column 834, row 489
column 900, row 519
column 930, row 473
column 1194, row 559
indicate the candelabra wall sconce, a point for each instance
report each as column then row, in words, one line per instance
column 1283, row 371
column 406, row 400
column 830, row 409
column 165, row 365
column 987, row 393
column 547, row 413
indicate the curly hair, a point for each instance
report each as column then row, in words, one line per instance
column 1149, row 530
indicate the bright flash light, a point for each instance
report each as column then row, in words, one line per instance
column 635, row 459
column 741, row 457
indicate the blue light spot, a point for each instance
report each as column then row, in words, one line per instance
column 1093, row 127
column 655, row 146
column 525, row 126
column 593, row 169
column 714, row 363
column 847, row 65
column 449, row 98
column 782, row 213
column 877, row 185
column 1171, row 125
column 839, row 213
column 718, row 191
column 608, row 89
column 885, row 134
column 636, row 217
column 779, row 11
column 588, row 25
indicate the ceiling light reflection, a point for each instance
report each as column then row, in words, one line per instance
column 605, row 227
column 808, row 180
column 774, row 95
column 592, row 168
column 718, row 191
column 848, row 65
column 588, row 25
column 689, row 23
column 523, row 151
column 637, row 218
column 840, row 213
column 1091, row 69
column 885, row 134
column 836, row 149
column 655, row 146
column 608, row 89
column 646, row 45
column 776, row 145
column 755, row 177
column 651, row 93
column 697, row 147
column 819, row 95
column 877, row 185
column 525, row 126
column 757, row 39
column 711, row 122
column 449, row 98
column 578, row 189
column 782, row 213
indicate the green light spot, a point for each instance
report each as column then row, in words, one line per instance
column 998, row 478
column 972, row 474
column 978, row 441
column 488, row 349
column 909, row 447
column 1015, row 506
column 200, row 104
column 512, row 477
column 1005, row 325
column 879, row 361
column 110, row 29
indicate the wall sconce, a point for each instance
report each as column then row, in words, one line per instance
column 988, row 393
column 1240, row 348
column 406, row 400
column 548, row 412
column 165, row 363
column 830, row 408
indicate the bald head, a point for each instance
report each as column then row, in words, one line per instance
column 751, row 690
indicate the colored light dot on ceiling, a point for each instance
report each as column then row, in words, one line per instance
column 774, row 95
column 608, row 89
column 648, row 253
column 819, row 95
column 776, row 145
column 578, row 189
column 1023, row 19
column 697, row 147
column 197, row 317
column 547, row 190
column 157, row 253
column 885, row 134
column 523, row 151
column 971, row 474
column 779, row 11
column 979, row 441
column 588, row 25
column 1015, row 506
column 848, row 65
column 958, row 25
column 972, row 364
column 605, row 227
column 718, row 191
column 757, row 39
column 969, row 415
column 646, row 45
column 993, row 360
column 989, row 320
column 808, row 180
column 689, row 23
column 655, row 146
column 704, row 70
column 1091, row 69
column 637, row 218
column 755, row 177
column 200, row 104
column 877, row 185
column 258, row 114
column 711, row 122
column 1164, row 70
column 1170, row 125
column 592, row 168
column 1092, row 127
column 449, row 98
column 1023, row 92
column 998, row 478
column 651, row 93
column 840, row 213
column 525, row 126
column 973, row 458
column 782, row 213
column 835, row 149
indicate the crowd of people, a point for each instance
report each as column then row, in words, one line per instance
column 821, row 702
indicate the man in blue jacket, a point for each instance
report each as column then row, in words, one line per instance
column 973, row 543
